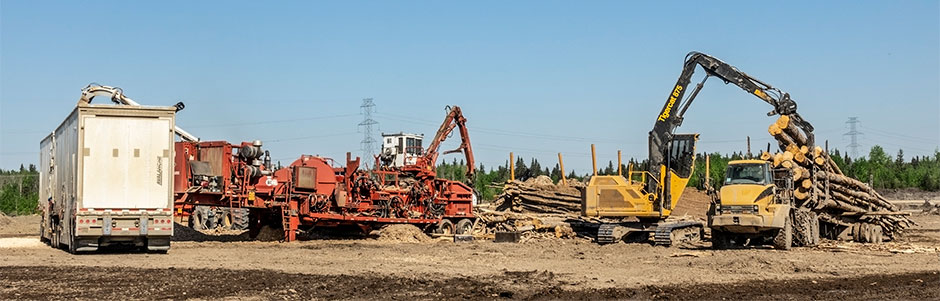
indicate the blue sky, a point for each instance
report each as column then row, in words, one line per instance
column 535, row 78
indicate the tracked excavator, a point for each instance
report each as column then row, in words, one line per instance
column 632, row 209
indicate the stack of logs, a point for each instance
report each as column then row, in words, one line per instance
column 539, row 195
column 821, row 186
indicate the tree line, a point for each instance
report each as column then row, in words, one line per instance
column 19, row 188
column 883, row 171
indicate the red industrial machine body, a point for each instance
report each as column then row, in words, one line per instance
column 311, row 191
column 237, row 184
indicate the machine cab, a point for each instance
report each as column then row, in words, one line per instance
column 401, row 149
column 748, row 186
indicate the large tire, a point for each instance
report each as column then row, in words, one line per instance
column 857, row 232
column 814, row 231
column 240, row 219
column 879, row 235
column 42, row 231
column 464, row 226
column 197, row 219
column 784, row 238
column 225, row 219
column 445, row 227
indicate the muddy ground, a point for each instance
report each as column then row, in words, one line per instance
column 367, row 268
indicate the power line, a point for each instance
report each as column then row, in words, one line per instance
column 238, row 124
column 853, row 136
column 366, row 126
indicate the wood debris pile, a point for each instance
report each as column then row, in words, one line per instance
column 821, row 186
column 531, row 226
column 541, row 195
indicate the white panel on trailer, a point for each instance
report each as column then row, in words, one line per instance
column 126, row 162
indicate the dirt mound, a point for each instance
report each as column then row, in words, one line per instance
column 4, row 219
column 694, row 203
column 540, row 181
column 909, row 194
column 21, row 225
column 402, row 233
column 269, row 233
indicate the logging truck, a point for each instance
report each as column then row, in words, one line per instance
column 756, row 205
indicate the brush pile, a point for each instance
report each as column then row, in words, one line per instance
column 540, row 195
column 863, row 214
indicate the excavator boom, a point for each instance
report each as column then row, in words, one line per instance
column 454, row 119
column 673, row 111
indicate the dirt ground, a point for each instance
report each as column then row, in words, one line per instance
column 218, row 266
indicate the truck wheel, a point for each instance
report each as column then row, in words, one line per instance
column 784, row 238
column 54, row 241
column 445, row 227
column 73, row 247
column 879, row 235
column 814, row 230
column 42, row 232
column 464, row 226
column 857, row 232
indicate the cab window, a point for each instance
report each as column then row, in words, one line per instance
column 747, row 174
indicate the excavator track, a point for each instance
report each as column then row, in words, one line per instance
column 605, row 234
column 674, row 233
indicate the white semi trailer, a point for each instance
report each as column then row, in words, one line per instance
column 106, row 178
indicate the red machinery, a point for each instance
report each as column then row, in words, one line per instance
column 238, row 186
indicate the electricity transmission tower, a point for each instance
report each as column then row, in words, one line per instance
column 368, row 143
column 853, row 136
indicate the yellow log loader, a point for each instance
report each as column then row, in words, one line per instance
column 632, row 208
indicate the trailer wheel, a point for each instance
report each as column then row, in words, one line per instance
column 240, row 218
column 464, row 226
column 42, row 231
column 197, row 220
column 784, row 238
column 445, row 227
column 225, row 219
column 73, row 248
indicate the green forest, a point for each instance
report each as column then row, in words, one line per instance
column 882, row 170
column 19, row 188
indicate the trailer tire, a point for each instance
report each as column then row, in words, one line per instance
column 197, row 220
column 784, row 238
column 464, row 226
column 73, row 248
column 42, row 232
column 225, row 218
column 445, row 227
column 240, row 219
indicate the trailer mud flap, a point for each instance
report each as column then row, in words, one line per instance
column 106, row 226
column 143, row 225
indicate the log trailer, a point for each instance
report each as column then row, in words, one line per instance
column 237, row 186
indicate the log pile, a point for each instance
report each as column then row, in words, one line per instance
column 821, row 186
column 540, row 195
